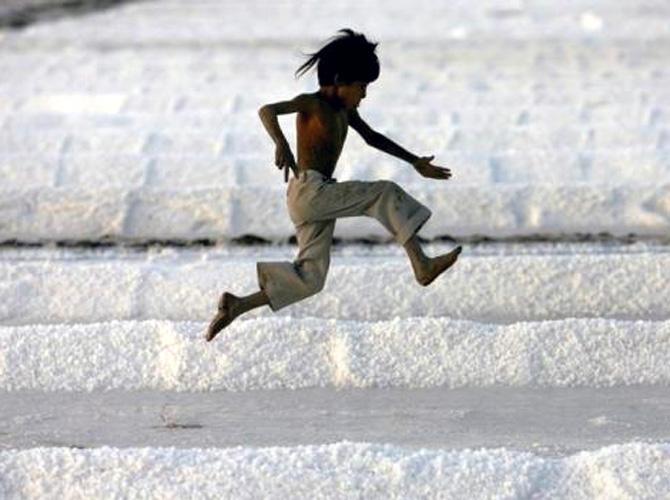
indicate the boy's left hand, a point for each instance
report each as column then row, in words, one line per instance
column 425, row 168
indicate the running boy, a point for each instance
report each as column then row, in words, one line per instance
column 345, row 67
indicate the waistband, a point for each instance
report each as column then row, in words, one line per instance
column 314, row 174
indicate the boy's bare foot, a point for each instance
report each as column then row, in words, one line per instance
column 436, row 266
column 227, row 312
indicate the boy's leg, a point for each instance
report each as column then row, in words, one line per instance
column 288, row 282
column 283, row 283
column 398, row 211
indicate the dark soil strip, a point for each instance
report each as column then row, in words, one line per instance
column 253, row 240
column 17, row 14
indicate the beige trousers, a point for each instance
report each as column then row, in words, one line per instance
column 314, row 202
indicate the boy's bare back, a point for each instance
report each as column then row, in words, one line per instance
column 321, row 132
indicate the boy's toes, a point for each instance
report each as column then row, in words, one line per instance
column 224, row 316
column 220, row 321
column 453, row 256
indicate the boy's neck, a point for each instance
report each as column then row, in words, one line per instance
column 329, row 94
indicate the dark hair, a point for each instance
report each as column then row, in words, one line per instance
column 350, row 56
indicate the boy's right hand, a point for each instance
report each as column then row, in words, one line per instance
column 284, row 159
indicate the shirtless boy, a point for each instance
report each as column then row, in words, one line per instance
column 345, row 66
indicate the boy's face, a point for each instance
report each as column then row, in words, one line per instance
column 351, row 94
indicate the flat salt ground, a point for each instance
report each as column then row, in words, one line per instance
column 491, row 284
column 548, row 422
column 344, row 469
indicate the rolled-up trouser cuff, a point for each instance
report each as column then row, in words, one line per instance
column 274, row 290
column 413, row 225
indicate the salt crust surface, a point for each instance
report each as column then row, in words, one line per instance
column 491, row 288
column 292, row 353
column 338, row 470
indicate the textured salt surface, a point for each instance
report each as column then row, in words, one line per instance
column 305, row 352
column 633, row 470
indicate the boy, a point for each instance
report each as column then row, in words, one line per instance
column 345, row 67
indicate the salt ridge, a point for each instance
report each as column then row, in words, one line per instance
column 34, row 215
column 294, row 353
column 631, row 470
column 183, row 286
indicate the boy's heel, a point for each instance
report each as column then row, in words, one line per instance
column 223, row 301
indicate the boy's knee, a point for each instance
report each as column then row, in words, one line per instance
column 313, row 284
column 316, row 284
column 387, row 189
column 314, row 278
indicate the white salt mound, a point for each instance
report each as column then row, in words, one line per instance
column 344, row 469
column 293, row 353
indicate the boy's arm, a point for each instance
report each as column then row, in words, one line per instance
column 380, row 141
column 377, row 140
column 268, row 114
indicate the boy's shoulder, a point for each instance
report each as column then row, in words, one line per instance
column 307, row 99
column 312, row 104
column 315, row 103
